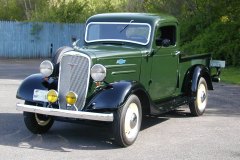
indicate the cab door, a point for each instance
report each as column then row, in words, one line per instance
column 164, row 69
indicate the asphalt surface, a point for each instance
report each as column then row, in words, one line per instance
column 175, row 135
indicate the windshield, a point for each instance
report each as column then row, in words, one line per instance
column 138, row 33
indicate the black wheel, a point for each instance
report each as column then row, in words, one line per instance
column 127, row 122
column 37, row 123
column 198, row 106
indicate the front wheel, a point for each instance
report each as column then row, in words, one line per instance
column 37, row 123
column 127, row 122
column 198, row 106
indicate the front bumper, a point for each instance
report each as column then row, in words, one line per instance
column 107, row 117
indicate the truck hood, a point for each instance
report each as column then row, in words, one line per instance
column 122, row 62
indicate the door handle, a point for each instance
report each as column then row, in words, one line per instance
column 176, row 53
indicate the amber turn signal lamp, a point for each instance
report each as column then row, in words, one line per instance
column 52, row 96
column 71, row 98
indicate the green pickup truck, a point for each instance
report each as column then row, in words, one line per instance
column 129, row 66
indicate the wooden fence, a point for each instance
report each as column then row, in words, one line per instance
column 36, row 40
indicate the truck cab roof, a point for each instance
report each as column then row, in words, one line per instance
column 149, row 18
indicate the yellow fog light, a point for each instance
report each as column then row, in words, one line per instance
column 71, row 98
column 52, row 96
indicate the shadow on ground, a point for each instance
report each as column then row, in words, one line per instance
column 62, row 137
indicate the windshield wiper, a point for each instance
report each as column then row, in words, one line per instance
column 126, row 26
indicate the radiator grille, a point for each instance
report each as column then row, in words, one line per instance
column 73, row 76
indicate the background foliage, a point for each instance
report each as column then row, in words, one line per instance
column 206, row 25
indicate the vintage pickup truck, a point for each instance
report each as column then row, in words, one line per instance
column 130, row 65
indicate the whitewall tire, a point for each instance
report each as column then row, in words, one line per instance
column 127, row 121
column 198, row 106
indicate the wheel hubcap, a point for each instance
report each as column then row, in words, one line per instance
column 41, row 120
column 133, row 121
column 131, row 125
column 202, row 97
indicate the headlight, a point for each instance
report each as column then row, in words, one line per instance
column 52, row 96
column 98, row 72
column 46, row 68
column 71, row 98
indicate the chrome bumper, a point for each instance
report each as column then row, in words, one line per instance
column 108, row 117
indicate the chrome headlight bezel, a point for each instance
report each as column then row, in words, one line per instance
column 46, row 68
column 98, row 72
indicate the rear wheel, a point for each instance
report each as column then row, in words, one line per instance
column 127, row 122
column 37, row 123
column 198, row 106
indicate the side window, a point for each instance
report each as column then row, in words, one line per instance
column 166, row 36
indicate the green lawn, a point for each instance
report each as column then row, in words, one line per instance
column 230, row 75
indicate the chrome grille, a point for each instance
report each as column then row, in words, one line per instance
column 73, row 76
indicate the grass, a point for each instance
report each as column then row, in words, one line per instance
column 231, row 75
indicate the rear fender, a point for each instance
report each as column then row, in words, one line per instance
column 192, row 77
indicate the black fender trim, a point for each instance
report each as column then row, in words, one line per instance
column 59, row 52
column 201, row 71
column 115, row 95
column 56, row 59
column 192, row 76
column 26, row 89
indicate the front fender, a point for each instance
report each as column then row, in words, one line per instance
column 113, row 96
column 25, row 90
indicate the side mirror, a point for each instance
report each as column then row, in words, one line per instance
column 74, row 39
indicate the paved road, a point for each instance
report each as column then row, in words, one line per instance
column 176, row 135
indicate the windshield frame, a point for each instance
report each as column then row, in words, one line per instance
column 119, row 40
